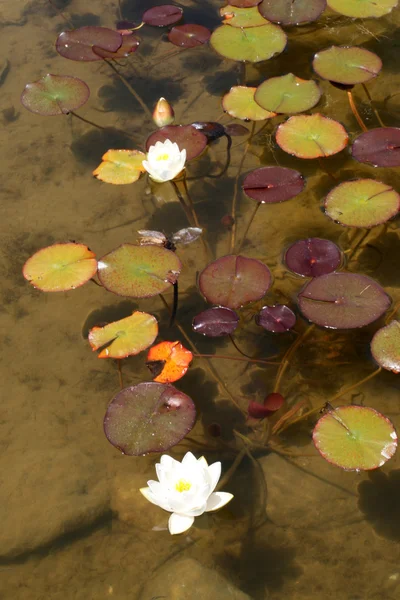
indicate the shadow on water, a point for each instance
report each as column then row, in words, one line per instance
column 379, row 500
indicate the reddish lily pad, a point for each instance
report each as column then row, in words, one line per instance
column 235, row 129
column 55, row 95
column 78, row 43
column 130, row 43
column 347, row 64
column 362, row 203
column 343, row 301
column 189, row 35
column 277, row 319
column 355, row 438
column 216, row 322
column 162, row 16
column 60, row 267
column 363, row 9
column 252, row 44
column 313, row 257
column 168, row 361
column 187, row 137
column 292, row 12
column 139, row 271
column 211, row 129
column 239, row 103
column 120, row 167
column 269, row 185
column 242, row 17
column 234, row 281
column 379, row 147
column 288, row 94
column 311, row 136
column 148, row 417
column 272, row 403
column 385, row 347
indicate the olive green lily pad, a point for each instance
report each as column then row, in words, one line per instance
column 252, row 44
column 55, row 95
column 239, row 103
column 242, row 17
column 385, row 347
column 362, row 203
column 287, row 94
column 347, row 65
column 355, row 438
column 139, row 271
column 311, row 136
column 362, row 9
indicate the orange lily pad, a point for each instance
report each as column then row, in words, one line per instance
column 168, row 361
column 120, row 167
column 239, row 103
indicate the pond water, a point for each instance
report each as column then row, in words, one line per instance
column 74, row 525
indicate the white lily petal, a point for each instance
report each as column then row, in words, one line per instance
column 217, row 500
column 179, row 523
column 202, row 461
column 148, row 494
column 214, row 472
column 189, row 460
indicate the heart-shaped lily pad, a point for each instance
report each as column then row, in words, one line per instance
column 55, row 95
column 60, row 267
column 343, row 300
column 239, row 103
column 362, row 203
column 78, row 43
column 139, row 271
column 168, row 361
column 269, row 185
column 125, row 337
column 252, row 44
column 288, row 94
column 130, row 43
column 363, row 9
column 234, row 281
column 313, row 257
column 162, row 16
column 347, row 64
column 380, row 147
column 355, row 438
column 187, row 137
column 189, row 35
column 242, row 17
column 277, row 319
column 148, row 417
column 385, row 347
column 311, row 136
column 292, row 12
column 120, row 166
column 216, row 322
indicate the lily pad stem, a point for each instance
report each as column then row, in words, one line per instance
column 393, row 312
column 121, row 383
column 130, row 88
column 226, row 477
column 244, row 359
column 288, row 355
column 185, row 207
column 354, row 250
column 375, row 111
column 174, row 305
column 71, row 112
column 252, row 217
column 355, row 111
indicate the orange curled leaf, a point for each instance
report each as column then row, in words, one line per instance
column 173, row 359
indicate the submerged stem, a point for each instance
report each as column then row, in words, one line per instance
column 355, row 111
column 174, row 305
column 375, row 110
column 290, row 351
column 244, row 359
column 186, row 208
column 353, row 250
column 130, row 88
column 252, row 217
column 71, row 112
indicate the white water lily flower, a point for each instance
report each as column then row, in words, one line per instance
column 164, row 161
column 186, row 489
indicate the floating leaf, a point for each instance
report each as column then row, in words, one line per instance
column 139, row 271
column 252, row 44
column 186, row 136
column 362, row 203
column 380, row 147
column 189, row 36
column 269, row 185
column 363, row 9
column 130, row 43
column 120, row 166
column 292, row 12
column 125, row 337
column 288, row 94
column 385, row 347
column 148, row 417
column 355, row 438
column 272, row 403
column 55, row 95
column 161, row 16
column 347, row 64
column 60, row 267
column 313, row 257
column 311, row 136
column 234, row 129
column 211, row 130
column 216, row 322
column 277, row 319
column 78, row 43
column 168, row 361
column 343, row 300
column 239, row 103
column 242, row 17
column 234, row 281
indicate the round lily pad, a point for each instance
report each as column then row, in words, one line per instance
column 139, row 271
column 234, row 281
column 125, row 337
column 187, row 137
column 385, row 347
column 242, row 17
column 78, row 43
column 343, row 300
column 161, row 16
column 362, row 9
column 362, row 203
column 189, row 35
column 288, row 94
column 148, row 417
column 60, row 267
column 311, row 136
column 347, row 64
column 292, row 12
column 55, row 95
column 120, row 166
column 313, row 257
column 277, row 319
column 269, row 185
column 379, row 147
column 168, row 361
column 216, row 322
column 239, row 103
column 130, row 43
column 252, row 44
column 355, row 438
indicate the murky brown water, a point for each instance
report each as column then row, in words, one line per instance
column 73, row 523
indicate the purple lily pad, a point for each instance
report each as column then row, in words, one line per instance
column 55, row 95
column 161, row 16
column 272, row 403
column 269, row 185
column 130, row 43
column 211, row 130
column 78, row 43
column 343, row 301
column 379, row 147
column 313, row 257
column 277, row 319
column 216, row 322
column 148, row 417
column 235, row 129
column 292, row 12
column 189, row 36
column 187, row 137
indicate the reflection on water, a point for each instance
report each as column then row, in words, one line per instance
column 73, row 523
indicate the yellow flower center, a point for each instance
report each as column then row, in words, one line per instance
column 163, row 157
column 182, row 485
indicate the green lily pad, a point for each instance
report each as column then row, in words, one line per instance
column 120, row 167
column 239, row 103
column 362, row 203
column 242, row 17
column 292, row 12
column 60, row 267
column 139, row 271
column 252, row 44
column 347, row 65
column 288, row 94
column 311, row 136
column 55, row 95
column 355, row 438
column 363, row 9
column 125, row 337
column 385, row 347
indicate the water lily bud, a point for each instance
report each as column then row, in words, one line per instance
column 163, row 113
